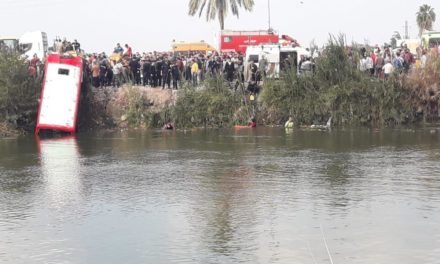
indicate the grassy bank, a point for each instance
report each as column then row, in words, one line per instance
column 337, row 89
column 213, row 104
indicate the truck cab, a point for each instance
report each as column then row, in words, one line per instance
column 8, row 44
column 31, row 43
column 431, row 39
column 27, row 45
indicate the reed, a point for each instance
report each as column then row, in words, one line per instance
column 338, row 89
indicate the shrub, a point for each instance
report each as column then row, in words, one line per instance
column 19, row 92
column 214, row 105
column 423, row 88
column 132, row 106
column 337, row 89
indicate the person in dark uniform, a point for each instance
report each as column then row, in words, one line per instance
column 229, row 70
column 146, row 72
column 76, row 46
column 159, row 71
column 153, row 74
column 166, row 74
column 135, row 68
column 175, row 74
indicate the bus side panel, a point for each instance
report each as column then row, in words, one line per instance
column 60, row 96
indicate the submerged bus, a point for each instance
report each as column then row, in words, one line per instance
column 60, row 95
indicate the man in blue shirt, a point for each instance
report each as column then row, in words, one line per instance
column 118, row 49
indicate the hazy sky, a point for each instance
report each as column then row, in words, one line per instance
column 152, row 25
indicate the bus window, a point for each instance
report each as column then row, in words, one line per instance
column 227, row 39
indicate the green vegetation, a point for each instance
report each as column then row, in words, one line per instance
column 19, row 93
column 133, row 105
column 214, row 106
column 422, row 88
column 218, row 8
column 337, row 89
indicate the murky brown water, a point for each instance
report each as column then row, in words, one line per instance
column 247, row 196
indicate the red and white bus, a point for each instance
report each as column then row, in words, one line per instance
column 60, row 95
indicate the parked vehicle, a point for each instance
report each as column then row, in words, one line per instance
column 27, row 45
column 278, row 57
column 239, row 41
column 187, row 47
column 8, row 44
column 431, row 39
column 31, row 43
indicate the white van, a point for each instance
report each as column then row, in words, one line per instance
column 34, row 43
column 277, row 57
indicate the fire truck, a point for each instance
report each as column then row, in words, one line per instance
column 239, row 41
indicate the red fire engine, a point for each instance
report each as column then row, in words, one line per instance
column 238, row 41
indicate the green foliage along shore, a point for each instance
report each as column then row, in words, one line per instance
column 214, row 106
column 337, row 89
column 19, row 93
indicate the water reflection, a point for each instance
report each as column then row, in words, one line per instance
column 60, row 166
column 222, row 196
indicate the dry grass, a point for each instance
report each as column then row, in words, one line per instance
column 423, row 86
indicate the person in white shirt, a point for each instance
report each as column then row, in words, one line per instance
column 363, row 64
column 117, row 74
column 369, row 64
column 388, row 69
column 423, row 59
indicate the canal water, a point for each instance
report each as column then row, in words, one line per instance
column 222, row 196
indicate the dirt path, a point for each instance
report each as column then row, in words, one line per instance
column 160, row 98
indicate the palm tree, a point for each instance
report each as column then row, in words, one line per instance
column 218, row 8
column 425, row 18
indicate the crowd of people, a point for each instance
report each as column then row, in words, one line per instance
column 165, row 69
column 172, row 70
column 381, row 63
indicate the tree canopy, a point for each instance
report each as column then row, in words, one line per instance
column 425, row 18
column 218, row 8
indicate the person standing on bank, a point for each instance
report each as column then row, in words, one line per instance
column 166, row 74
column 194, row 72
column 175, row 74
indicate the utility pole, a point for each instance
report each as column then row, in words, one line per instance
column 406, row 29
column 268, row 10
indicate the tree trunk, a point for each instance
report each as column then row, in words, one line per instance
column 221, row 18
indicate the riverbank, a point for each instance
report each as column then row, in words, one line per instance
column 337, row 89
